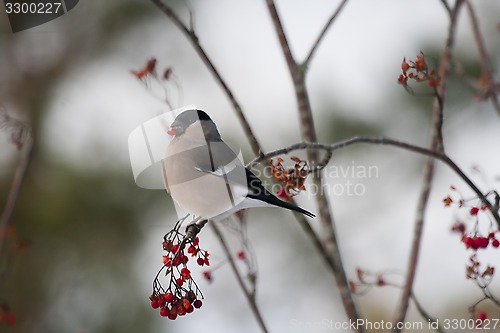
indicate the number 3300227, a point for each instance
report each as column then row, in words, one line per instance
column 32, row 8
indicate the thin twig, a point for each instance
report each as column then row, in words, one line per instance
column 323, row 33
column 446, row 6
column 193, row 38
column 487, row 69
column 248, row 293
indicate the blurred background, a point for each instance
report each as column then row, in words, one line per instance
column 93, row 238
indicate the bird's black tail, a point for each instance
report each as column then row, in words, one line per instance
column 258, row 192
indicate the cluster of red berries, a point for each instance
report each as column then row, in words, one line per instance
column 472, row 239
column 293, row 178
column 172, row 306
column 477, row 241
column 418, row 71
column 175, row 253
column 182, row 295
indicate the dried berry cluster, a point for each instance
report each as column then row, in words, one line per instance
column 149, row 69
column 292, row 178
column 418, row 71
column 474, row 272
column 208, row 274
column 367, row 280
column 182, row 294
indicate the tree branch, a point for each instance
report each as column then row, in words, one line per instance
column 388, row 142
column 193, row 38
column 322, row 34
column 485, row 59
column 308, row 133
column 248, row 294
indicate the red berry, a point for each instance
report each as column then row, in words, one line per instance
column 281, row 193
column 177, row 261
column 192, row 249
column 185, row 303
column 468, row 241
column 174, row 248
column 474, row 211
column 172, row 316
column 164, row 312
column 169, row 297
column 190, row 309
column 241, row 255
column 495, row 243
column 179, row 281
column 184, row 259
column 481, row 315
column 476, row 242
column 197, row 304
column 155, row 304
column 491, row 235
column 200, row 261
column 181, row 311
column 484, row 242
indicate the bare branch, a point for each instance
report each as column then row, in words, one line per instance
column 446, row 6
column 487, row 69
column 248, row 293
column 389, row 142
column 322, row 34
column 308, row 133
column 436, row 145
column 193, row 38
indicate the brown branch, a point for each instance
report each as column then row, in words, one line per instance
column 193, row 38
column 436, row 145
column 323, row 33
column 248, row 293
column 486, row 66
column 308, row 133
column 389, row 142
column 446, row 6
column 425, row 314
column 15, row 188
